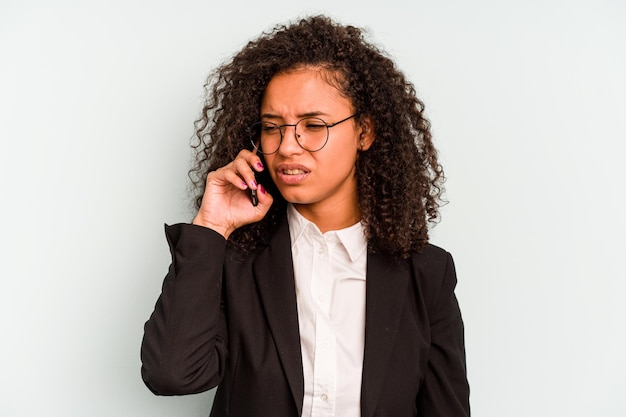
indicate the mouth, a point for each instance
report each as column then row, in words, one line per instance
column 293, row 171
column 292, row 175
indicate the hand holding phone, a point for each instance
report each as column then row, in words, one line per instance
column 224, row 207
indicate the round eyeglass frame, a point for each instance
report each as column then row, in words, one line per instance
column 256, row 141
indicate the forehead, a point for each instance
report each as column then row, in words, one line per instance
column 305, row 89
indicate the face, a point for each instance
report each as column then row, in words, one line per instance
column 322, row 181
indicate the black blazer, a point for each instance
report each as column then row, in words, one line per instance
column 234, row 324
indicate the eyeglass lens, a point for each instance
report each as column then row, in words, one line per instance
column 311, row 134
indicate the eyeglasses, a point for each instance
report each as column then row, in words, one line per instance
column 311, row 134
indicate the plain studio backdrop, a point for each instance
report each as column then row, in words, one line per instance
column 527, row 103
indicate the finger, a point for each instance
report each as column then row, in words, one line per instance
column 228, row 175
column 236, row 179
column 256, row 162
column 243, row 169
column 265, row 199
column 252, row 159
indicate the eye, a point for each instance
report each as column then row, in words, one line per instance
column 314, row 125
column 270, row 129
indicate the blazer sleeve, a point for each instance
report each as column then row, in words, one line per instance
column 184, row 347
column 445, row 390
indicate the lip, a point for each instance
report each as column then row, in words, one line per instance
column 292, row 173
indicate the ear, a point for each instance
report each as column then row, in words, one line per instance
column 367, row 135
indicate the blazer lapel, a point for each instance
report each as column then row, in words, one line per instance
column 273, row 271
column 386, row 287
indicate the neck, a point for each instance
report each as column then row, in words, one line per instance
column 331, row 217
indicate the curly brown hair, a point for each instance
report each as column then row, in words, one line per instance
column 400, row 182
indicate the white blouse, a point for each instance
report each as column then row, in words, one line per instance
column 329, row 272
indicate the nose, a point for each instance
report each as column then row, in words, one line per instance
column 289, row 145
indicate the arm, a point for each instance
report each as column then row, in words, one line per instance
column 445, row 391
column 184, row 348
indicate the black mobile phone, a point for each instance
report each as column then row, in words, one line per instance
column 254, row 196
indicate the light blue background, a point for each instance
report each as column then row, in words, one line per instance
column 526, row 99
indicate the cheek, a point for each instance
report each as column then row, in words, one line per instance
column 268, row 161
column 339, row 162
column 341, row 156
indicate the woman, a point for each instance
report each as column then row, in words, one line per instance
column 306, row 285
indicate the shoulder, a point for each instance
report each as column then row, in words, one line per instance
column 431, row 258
column 433, row 271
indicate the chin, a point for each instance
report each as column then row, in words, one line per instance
column 297, row 198
column 299, row 201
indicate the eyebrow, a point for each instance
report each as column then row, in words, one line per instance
column 308, row 114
